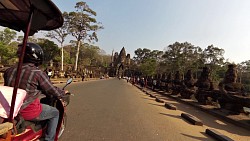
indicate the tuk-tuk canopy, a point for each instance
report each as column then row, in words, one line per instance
column 15, row 13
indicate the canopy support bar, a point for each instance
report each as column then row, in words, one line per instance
column 19, row 68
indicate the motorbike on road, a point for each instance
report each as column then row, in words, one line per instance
column 29, row 16
column 32, row 130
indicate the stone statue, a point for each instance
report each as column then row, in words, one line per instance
column 163, row 81
column 205, row 86
column 177, row 83
column 233, row 94
column 188, row 87
column 169, row 82
column 229, row 83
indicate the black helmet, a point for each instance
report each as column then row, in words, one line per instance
column 33, row 53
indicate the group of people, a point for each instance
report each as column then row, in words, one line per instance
column 35, row 82
column 138, row 80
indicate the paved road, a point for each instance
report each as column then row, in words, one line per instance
column 113, row 110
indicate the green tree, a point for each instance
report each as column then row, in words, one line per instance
column 69, row 54
column 3, row 52
column 7, row 35
column 183, row 56
column 147, row 61
column 50, row 49
column 59, row 35
column 7, row 48
column 197, row 60
column 90, row 55
column 214, row 57
column 148, row 67
column 31, row 39
column 82, row 25
column 173, row 56
column 8, row 53
column 106, row 60
column 141, row 55
column 243, row 70
column 157, row 55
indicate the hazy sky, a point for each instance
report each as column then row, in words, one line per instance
column 155, row 24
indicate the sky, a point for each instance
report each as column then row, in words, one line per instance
column 155, row 24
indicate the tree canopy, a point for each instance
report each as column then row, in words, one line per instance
column 82, row 25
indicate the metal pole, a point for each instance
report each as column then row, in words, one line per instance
column 20, row 63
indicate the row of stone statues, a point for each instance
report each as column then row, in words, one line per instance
column 229, row 95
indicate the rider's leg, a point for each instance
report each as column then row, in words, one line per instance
column 52, row 115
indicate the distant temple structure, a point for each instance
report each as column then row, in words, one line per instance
column 119, row 64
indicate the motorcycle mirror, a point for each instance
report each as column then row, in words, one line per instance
column 69, row 81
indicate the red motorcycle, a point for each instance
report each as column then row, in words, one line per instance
column 29, row 16
column 29, row 130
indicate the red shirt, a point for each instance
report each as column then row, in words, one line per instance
column 32, row 111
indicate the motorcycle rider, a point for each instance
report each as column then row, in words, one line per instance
column 35, row 82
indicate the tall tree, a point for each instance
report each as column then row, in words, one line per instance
column 214, row 57
column 197, row 59
column 141, row 55
column 7, row 35
column 8, row 53
column 147, row 61
column 69, row 54
column 183, row 56
column 31, row 39
column 59, row 35
column 149, row 66
column 243, row 69
column 82, row 25
column 50, row 50
column 173, row 56
column 7, row 48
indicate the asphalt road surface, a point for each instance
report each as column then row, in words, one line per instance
column 114, row 110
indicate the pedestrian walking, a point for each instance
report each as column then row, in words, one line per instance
column 50, row 73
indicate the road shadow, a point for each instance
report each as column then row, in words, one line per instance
column 178, row 117
column 173, row 116
column 206, row 138
column 156, row 104
column 147, row 98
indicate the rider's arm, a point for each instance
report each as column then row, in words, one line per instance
column 47, row 87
